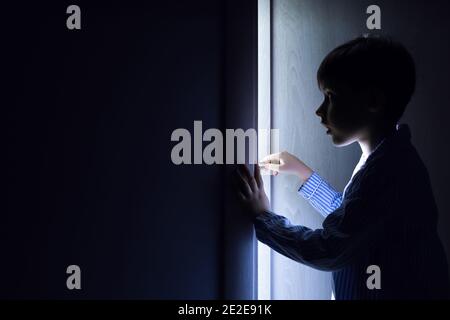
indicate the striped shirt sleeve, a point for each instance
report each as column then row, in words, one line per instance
column 346, row 233
column 323, row 197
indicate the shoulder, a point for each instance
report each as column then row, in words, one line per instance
column 373, row 178
column 395, row 163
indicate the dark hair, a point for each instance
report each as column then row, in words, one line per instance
column 373, row 62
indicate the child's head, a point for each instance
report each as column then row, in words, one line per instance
column 367, row 83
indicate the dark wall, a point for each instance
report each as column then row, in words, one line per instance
column 241, row 91
column 89, row 116
column 89, row 176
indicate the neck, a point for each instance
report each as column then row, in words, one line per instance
column 372, row 138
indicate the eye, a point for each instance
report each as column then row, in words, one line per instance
column 329, row 95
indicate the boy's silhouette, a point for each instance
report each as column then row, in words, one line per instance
column 387, row 214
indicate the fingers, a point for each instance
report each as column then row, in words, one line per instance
column 272, row 167
column 265, row 171
column 244, row 170
column 241, row 196
column 272, row 162
column 250, row 180
column 272, row 158
column 258, row 177
column 241, row 183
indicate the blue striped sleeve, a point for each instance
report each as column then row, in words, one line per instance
column 323, row 197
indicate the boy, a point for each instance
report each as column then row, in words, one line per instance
column 387, row 214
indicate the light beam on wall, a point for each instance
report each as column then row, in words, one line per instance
column 264, row 141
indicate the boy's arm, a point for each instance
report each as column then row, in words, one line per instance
column 323, row 197
column 345, row 233
column 319, row 193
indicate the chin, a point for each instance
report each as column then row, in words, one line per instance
column 339, row 141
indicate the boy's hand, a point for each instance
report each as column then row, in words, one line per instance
column 250, row 190
column 284, row 162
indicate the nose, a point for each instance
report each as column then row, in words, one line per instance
column 320, row 112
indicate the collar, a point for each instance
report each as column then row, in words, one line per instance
column 401, row 136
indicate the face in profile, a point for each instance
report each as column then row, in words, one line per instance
column 344, row 113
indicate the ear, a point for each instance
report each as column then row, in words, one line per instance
column 376, row 100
